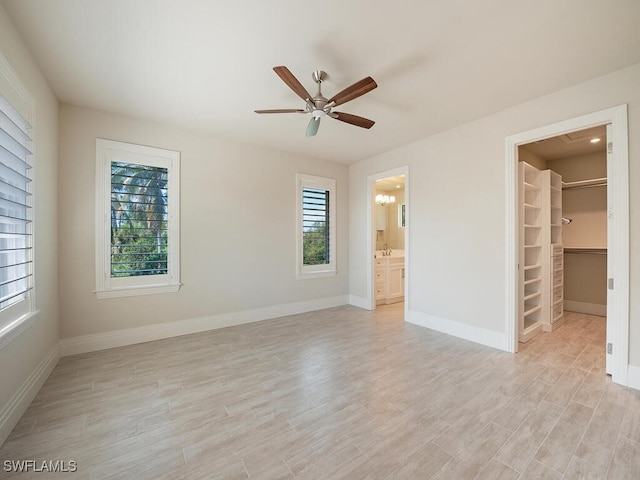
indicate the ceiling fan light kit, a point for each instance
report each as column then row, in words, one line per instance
column 319, row 106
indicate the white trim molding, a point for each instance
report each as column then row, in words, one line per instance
column 16, row 328
column 633, row 377
column 587, row 308
column 618, row 237
column 359, row 302
column 490, row 338
column 131, row 336
column 18, row 404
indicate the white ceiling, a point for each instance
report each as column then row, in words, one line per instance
column 206, row 65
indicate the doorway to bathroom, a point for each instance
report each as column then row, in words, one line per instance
column 388, row 221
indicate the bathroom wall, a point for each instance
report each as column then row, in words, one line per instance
column 388, row 230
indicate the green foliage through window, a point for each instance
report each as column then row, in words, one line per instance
column 139, row 220
column 315, row 226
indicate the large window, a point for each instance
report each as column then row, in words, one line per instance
column 316, row 246
column 16, row 239
column 137, row 239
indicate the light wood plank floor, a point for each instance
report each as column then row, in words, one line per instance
column 340, row 393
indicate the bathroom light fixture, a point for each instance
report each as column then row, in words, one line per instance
column 594, row 140
column 382, row 200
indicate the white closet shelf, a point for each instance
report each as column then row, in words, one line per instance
column 529, row 309
column 531, row 267
column 530, row 296
column 528, row 205
column 533, row 280
column 532, row 226
column 533, row 246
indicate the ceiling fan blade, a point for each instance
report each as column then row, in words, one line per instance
column 281, row 110
column 313, row 126
column 293, row 83
column 354, row 120
column 354, row 91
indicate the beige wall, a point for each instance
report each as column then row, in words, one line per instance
column 238, row 207
column 531, row 158
column 586, row 206
column 457, row 210
column 585, row 280
column 21, row 357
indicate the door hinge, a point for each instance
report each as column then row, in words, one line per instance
column 610, row 284
column 610, row 348
column 610, row 148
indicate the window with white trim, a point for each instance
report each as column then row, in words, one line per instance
column 315, row 226
column 137, row 219
column 16, row 230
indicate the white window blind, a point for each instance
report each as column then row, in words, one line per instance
column 16, row 272
column 315, row 226
column 139, row 220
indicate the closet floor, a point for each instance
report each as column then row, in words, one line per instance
column 338, row 393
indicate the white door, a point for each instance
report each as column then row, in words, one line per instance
column 610, row 266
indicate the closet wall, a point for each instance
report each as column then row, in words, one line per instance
column 585, row 273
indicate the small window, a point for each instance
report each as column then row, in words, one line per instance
column 137, row 240
column 316, row 244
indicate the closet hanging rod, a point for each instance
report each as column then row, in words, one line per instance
column 586, row 251
column 594, row 182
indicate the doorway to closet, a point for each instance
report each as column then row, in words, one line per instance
column 617, row 238
column 388, row 220
column 563, row 243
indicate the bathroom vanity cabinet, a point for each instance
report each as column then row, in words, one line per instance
column 389, row 285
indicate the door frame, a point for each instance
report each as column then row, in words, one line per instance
column 371, row 237
column 617, row 225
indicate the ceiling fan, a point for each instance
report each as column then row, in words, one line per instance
column 319, row 106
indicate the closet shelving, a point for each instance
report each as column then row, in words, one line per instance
column 556, row 260
column 553, row 268
column 541, row 256
column 530, row 315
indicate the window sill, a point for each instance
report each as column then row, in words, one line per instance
column 136, row 291
column 308, row 275
column 16, row 328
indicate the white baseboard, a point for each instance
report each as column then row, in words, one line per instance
column 633, row 377
column 130, row 336
column 479, row 335
column 588, row 308
column 359, row 302
column 15, row 408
